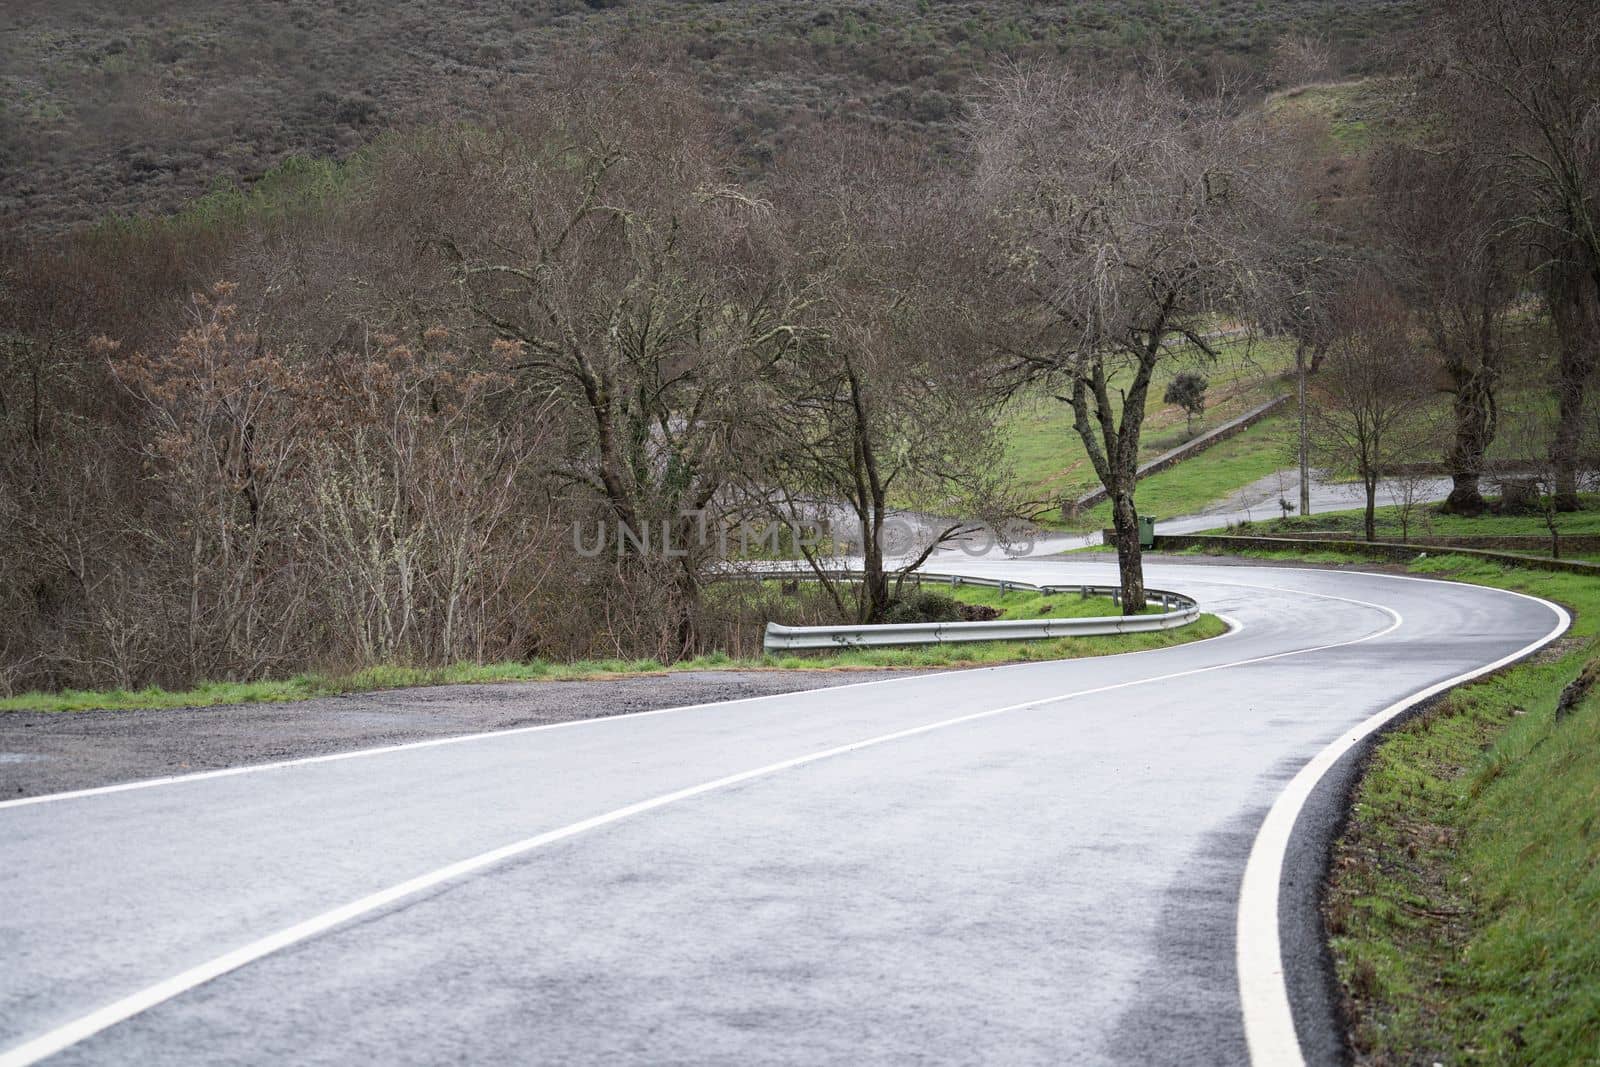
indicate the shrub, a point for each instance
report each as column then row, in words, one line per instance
column 1188, row 391
column 924, row 607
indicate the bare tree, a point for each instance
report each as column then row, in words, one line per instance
column 304, row 475
column 421, row 515
column 878, row 408
column 1444, row 225
column 601, row 239
column 224, row 425
column 1301, row 60
column 1407, row 484
column 1297, row 304
column 1521, row 79
column 1537, row 483
column 1125, row 217
column 1575, row 316
column 1368, row 417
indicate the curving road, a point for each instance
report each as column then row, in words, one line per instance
column 1031, row 864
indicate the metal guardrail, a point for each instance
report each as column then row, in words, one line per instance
column 1180, row 611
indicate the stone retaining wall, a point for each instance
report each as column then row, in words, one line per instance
column 1375, row 549
column 1513, row 542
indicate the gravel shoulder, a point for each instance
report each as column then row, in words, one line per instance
column 48, row 752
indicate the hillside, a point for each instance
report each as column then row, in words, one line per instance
column 133, row 109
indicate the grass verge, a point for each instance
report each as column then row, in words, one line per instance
column 1427, row 520
column 1025, row 604
column 1461, row 909
column 977, row 654
column 1462, row 913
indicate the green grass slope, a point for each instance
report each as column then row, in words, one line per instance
column 1463, row 895
column 1050, row 463
column 1466, row 888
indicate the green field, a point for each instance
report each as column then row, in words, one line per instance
column 1050, row 463
column 1356, row 114
column 1022, row 604
column 1190, row 486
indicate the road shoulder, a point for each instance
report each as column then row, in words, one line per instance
column 50, row 752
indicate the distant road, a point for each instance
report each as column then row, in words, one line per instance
column 1256, row 502
column 1259, row 501
column 1031, row 864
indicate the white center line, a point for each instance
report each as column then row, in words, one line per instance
column 68, row 1034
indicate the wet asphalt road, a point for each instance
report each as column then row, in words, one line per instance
column 51, row 752
column 1028, row 864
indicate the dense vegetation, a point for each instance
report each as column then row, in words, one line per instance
column 132, row 108
column 373, row 409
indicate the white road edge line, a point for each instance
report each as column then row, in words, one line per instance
column 69, row 1034
column 1263, row 992
column 405, row 746
column 434, row 742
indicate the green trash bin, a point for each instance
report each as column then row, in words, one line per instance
column 1147, row 531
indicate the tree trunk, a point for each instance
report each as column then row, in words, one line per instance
column 1130, row 565
column 875, row 594
column 875, row 582
column 683, row 541
column 1576, row 365
column 688, row 612
column 1370, row 481
column 1575, row 313
column 1474, row 428
column 1114, row 450
column 869, row 488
